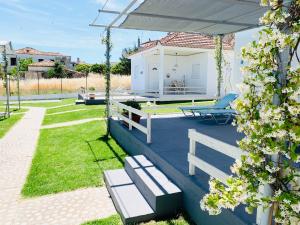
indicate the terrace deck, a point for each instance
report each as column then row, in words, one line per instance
column 168, row 151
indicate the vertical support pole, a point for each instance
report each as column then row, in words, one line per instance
column 6, row 82
column 61, row 84
column 264, row 217
column 218, row 57
column 192, row 151
column 86, row 86
column 149, row 128
column 130, row 118
column 107, row 76
column 18, row 84
column 161, row 70
column 38, row 78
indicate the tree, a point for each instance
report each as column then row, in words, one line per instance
column 24, row 63
column 83, row 68
column 269, row 112
column 59, row 70
column 97, row 68
column 50, row 73
column 117, row 69
column 2, row 75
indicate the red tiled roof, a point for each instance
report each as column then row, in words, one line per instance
column 188, row 40
column 42, row 64
column 32, row 51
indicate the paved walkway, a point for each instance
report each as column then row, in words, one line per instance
column 71, row 123
column 17, row 148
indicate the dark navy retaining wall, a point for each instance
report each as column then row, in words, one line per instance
column 192, row 192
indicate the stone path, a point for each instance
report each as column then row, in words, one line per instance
column 71, row 123
column 17, row 148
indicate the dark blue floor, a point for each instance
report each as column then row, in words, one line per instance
column 170, row 141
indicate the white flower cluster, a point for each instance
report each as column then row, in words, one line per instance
column 269, row 116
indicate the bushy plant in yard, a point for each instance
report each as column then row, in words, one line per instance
column 134, row 104
column 83, row 68
column 267, row 176
column 97, row 68
column 24, row 63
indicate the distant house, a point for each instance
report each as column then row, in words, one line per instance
column 40, row 56
column 10, row 53
column 180, row 64
column 37, row 69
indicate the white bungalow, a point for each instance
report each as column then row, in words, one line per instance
column 180, row 66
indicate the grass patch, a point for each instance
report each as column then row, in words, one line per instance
column 13, row 110
column 73, row 107
column 91, row 112
column 169, row 108
column 116, row 220
column 50, row 104
column 8, row 123
column 73, row 157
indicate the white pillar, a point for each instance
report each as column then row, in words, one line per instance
column 161, row 70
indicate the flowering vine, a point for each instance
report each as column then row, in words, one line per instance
column 218, row 59
column 269, row 116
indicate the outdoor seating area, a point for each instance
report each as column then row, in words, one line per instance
column 223, row 103
column 169, row 150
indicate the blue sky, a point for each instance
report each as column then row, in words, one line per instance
column 62, row 26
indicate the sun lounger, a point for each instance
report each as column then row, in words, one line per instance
column 225, row 114
column 223, row 103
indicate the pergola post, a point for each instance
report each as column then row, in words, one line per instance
column 161, row 70
column 107, row 79
column 264, row 217
column 218, row 58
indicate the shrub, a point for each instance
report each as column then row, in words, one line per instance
column 84, row 68
column 24, row 63
column 97, row 68
column 134, row 104
column 50, row 73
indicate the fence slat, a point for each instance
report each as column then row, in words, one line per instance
column 146, row 130
column 207, row 168
column 224, row 148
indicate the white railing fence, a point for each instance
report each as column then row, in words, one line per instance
column 117, row 109
column 226, row 149
column 184, row 90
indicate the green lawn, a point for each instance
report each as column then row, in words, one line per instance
column 6, row 124
column 173, row 107
column 115, row 220
column 72, row 157
column 72, row 107
column 50, row 104
column 91, row 112
column 13, row 109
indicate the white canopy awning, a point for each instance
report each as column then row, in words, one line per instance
column 200, row 16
